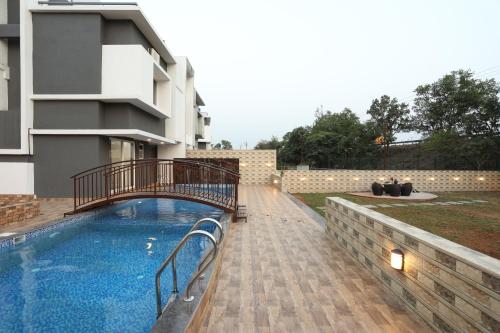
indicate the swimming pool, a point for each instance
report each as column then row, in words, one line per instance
column 96, row 272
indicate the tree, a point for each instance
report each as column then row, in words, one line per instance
column 459, row 116
column 389, row 117
column 274, row 143
column 294, row 145
column 226, row 145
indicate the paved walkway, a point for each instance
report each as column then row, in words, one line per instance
column 281, row 273
column 50, row 211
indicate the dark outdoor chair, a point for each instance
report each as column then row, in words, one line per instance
column 406, row 189
column 377, row 189
column 388, row 188
column 396, row 190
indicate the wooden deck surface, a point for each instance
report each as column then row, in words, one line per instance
column 282, row 273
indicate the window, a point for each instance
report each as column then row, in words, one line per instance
column 155, row 92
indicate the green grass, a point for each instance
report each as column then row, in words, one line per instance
column 473, row 225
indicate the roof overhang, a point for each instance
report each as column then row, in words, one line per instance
column 114, row 12
column 127, row 133
column 199, row 100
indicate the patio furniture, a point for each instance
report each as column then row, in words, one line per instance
column 241, row 212
column 396, row 190
column 388, row 188
column 377, row 189
column 406, row 189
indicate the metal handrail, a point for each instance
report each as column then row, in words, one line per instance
column 172, row 258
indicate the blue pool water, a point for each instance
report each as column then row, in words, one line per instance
column 98, row 274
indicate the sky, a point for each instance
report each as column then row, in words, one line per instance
column 264, row 66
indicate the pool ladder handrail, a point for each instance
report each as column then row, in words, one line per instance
column 212, row 254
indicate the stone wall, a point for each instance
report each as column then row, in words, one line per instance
column 256, row 166
column 322, row 181
column 453, row 288
column 16, row 208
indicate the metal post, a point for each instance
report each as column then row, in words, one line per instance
column 174, row 275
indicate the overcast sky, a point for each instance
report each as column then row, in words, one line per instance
column 263, row 66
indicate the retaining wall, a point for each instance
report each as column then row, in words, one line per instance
column 453, row 288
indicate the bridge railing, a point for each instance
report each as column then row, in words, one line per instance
column 191, row 180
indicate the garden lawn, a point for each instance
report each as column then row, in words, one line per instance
column 473, row 225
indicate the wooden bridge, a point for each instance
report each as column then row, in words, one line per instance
column 156, row 178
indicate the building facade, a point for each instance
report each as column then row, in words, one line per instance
column 82, row 85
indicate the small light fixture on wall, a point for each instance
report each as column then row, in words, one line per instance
column 303, row 178
column 432, row 178
column 275, row 181
column 243, row 164
column 481, row 178
column 330, row 178
column 397, row 259
column 381, row 179
column 407, row 178
column 356, row 178
column 456, row 178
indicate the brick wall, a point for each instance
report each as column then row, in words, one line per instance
column 321, row 181
column 16, row 208
column 256, row 166
column 453, row 288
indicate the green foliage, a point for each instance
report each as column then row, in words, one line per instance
column 458, row 102
column 460, row 117
column 274, row 143
column 389, row 117
column 224, row 145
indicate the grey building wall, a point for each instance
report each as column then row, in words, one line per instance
column 68, row 115
column 59, row 157
column 10, row 120
column 94, row 115
column 128, row 116
column 125, row 32
column 67, row 53
column 13, row 14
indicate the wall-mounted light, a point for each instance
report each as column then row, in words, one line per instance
column 149, row 140
column 481, row 178
column 268, row 164
column 456, row 178
column 162, row 143
column 432, row 178
column 356, row 178
column 381, row 178
column 243, row 164
column 330, row 178
column 303, row 178
column 407, row 178
column 275, row 181
column 397, row 259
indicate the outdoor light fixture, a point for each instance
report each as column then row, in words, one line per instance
column 397, row 259
column 149, row 140
column 481, row 178
column 407, row 178
column 275, row 181
column 381, row 178
column 329, row 178
column 456, row 178
column 303, row 178
column 243, row 164
column 432, row 178
column 356, row 178
column 268, row 164
column 162, row 143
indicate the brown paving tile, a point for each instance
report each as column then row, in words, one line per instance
column 51, row 209
column 281, row 273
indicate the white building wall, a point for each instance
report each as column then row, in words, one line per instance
column 17, row 178
column 127, row 71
